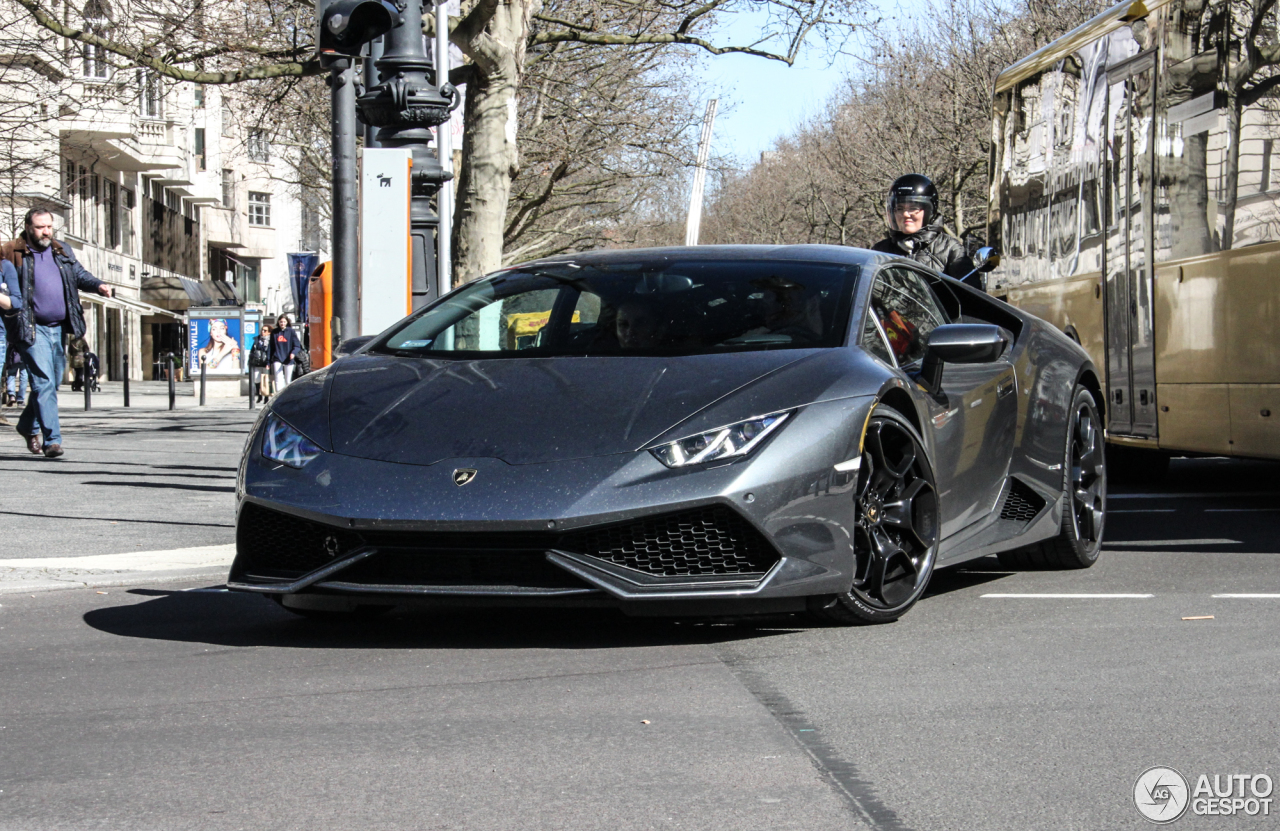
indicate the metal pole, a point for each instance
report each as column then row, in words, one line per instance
column 88, row 391
column 444, row 149
column 694, row 224
column 413, row 98
column 346, row 206
column 204, row 371
column 126, row 380
column 252, row 392
column 173, row 391
column 371, row 80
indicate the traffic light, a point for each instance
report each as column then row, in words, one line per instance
column 345, row 26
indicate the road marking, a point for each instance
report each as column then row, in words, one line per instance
column 1219, row 495
column 1238, row 510
column 1172, row 542
column 1143, row 511
column 1069, row 596
column 1247, row 596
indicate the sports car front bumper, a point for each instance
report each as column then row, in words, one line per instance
column 620, row 529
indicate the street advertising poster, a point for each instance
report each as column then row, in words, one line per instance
column 251, row 320
column 217, row 340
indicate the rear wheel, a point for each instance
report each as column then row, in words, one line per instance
column 1079, row 538
column 896, row 531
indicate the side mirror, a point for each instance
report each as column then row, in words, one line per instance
column 959, row 343
column 985, row 259
column 350, row 345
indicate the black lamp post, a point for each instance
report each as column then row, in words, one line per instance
column 406, row 103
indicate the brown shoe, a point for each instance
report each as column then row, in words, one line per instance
column 34, row 444
column 53, row 451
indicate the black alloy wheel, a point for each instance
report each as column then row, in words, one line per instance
column 1084, row 496
column 896, row 531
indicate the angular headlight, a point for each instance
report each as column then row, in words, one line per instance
column 722, row 443
column 282, row 443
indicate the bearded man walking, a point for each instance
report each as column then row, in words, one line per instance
column 51, row 280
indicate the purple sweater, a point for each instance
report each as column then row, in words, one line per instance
column 49, row 299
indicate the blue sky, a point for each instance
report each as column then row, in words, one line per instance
column 768, row 99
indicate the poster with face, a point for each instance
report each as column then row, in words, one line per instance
column 216, row 342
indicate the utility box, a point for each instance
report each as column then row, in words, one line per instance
column 320, row 314
column 386, row 258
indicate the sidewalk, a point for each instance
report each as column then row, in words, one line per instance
column 143, row 395
column 142, row 494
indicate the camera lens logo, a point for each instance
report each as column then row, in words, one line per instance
column 1161, row 795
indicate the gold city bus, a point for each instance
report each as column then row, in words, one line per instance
column 1135, row 198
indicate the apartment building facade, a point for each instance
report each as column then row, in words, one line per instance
column 165, row 190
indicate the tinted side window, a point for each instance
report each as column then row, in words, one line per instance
column 874, row 342
column 907, row 310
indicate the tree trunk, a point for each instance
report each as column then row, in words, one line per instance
column 491, row 161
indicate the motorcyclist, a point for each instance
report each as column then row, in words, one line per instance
column 916, row 230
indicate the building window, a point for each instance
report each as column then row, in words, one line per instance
column 126, row 221
column 259, row 146
column 69, row 194
column 310, row 240
column 200, row 157
column 1268, row 146
column 97, row 21
column 259, row 208
column 112, row 206
column 150, row 94
column 228, row 189
column 199, row 96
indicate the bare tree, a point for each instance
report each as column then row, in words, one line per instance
column 271, row 39
column 919, row 102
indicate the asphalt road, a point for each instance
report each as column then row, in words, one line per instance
column 140, row 479
column 184, row 706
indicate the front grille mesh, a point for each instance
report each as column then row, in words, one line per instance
column 706, row 541
column 277, row 544
column 1022, row 504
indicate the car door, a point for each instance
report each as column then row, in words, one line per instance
column 974, row 415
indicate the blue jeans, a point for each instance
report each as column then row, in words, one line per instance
column 18, row 383
column 46, row 362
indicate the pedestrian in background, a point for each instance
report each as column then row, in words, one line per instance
column 51, row 280
column 10, row 303
column 15, row 372
column 75, row 356
column 260, row 364
column 285, row 347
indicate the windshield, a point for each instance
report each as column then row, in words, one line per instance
column 680, row 308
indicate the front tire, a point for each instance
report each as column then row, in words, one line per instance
column 896, row 533
column 1084, row 497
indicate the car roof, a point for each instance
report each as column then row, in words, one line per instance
column 657, row 256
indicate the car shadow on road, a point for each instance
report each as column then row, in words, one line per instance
column 224, row 618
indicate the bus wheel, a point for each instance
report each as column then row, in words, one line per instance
column 1136, row 465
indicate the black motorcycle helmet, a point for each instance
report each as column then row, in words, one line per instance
column 911, row 189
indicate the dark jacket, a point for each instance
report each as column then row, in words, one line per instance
column 284, row 342
column 13, row 289
column 932, row 247
column 75, row 279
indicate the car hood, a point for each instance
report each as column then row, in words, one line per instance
column 525, row 411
